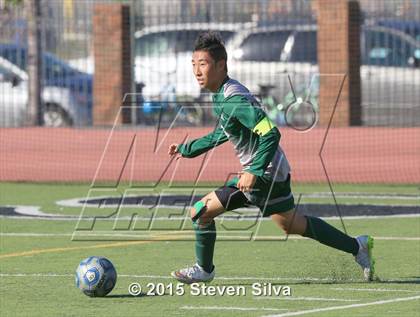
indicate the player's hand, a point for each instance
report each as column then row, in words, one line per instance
column 246, row 182
column 173, row 149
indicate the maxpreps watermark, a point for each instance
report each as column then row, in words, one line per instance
column 196, row 289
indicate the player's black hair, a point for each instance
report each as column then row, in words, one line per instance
column 211, row 42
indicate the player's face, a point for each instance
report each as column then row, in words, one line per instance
column 208, row 73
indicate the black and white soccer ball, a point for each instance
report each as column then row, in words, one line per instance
column 96, row 276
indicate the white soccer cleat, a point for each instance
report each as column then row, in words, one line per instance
column 194, row 274
column 364, row 256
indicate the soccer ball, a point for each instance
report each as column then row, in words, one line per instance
column 96, row 276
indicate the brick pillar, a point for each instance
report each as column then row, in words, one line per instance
column 339, row 56
column 111, row 40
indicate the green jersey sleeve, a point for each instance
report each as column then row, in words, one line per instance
column 203, row 144
column 255, row 119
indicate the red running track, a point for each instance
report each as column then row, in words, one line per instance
column 351, row 155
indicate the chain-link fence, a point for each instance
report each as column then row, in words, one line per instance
column 272, row 49
column 270, row 44
column 274, row 43
column 67, row 67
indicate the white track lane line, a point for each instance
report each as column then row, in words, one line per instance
column 317, row 310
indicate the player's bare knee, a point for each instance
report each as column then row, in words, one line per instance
column 285, row 226
column 283, row 223
column 193, row 212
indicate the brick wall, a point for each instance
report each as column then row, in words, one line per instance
column 339, row 61
column 111, row 34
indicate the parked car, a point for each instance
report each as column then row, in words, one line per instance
column 409, row 27
column 389, row 73
column 61, row 107
column 73, row 96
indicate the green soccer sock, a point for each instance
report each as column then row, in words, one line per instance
column 321, row 231
column 205, row 238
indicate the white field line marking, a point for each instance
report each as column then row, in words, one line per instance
column 76, row 202
column 317, row 310
column 232, row 308
column 33, row 211
column 374, row 289
column 249, row 214
column 221, row 278
column 225, row 218
column 34, row 275
column 302, row 298
column 129, row 235
column 362, row 196
column 34, row 234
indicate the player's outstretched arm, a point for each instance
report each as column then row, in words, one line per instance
column 199, row 146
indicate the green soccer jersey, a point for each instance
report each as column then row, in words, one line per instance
column 242, row 121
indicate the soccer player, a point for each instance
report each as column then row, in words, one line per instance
column 265, row 176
